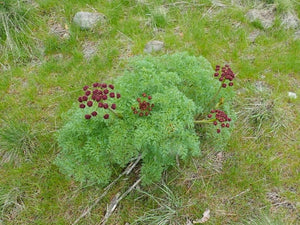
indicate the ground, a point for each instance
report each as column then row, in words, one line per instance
column 255, row 178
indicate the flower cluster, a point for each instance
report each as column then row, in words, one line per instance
column 226, row 74
column 97, row 95
column 144, row 107
column 221, row 117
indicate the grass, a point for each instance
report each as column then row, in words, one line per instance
column 263, row 220
column 11, row 203
column 168, row 211
column 18, row 43
column 17, row 140
column 263, row 153
column 263, row 114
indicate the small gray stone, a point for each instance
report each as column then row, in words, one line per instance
column 292, row 95
column 153, row 46
column 88, row 20
column 290, row 20
column 265, row 16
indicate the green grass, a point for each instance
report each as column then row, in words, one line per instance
column 169, row 209
column 18, row 20
column 16, row 140
column 263, row 220
column 263, row 153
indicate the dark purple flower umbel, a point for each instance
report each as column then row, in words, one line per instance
column 97, row 96
column 144, row 107
column 225, row 74
column 221, row 119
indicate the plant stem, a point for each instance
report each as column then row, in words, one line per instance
column 204, row 121
column 127, row 171
column 211, row 101
column 214, row 97
column 116, row 114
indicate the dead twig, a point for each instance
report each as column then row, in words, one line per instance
column 184, row 3
column 126, row 172
column 243, row 192
column 114, row 203
column 132, row 165
column 224, row 213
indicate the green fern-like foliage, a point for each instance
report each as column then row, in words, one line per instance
column 181, row 87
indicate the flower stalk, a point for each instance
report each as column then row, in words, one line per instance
column 119, row 115
column 204, row 121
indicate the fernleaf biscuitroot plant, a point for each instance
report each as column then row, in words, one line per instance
column 158, row 109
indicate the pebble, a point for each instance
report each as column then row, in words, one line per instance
column 292, row 95
column 153, row 46
column 88, row 20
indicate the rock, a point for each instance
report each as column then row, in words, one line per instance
column 153, row 46
column 265, row 16
column 89, row 49
column 88, row 20
column 290, row 20
column 292, row 95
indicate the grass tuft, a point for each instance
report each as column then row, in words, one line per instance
column 159, row 17
column 264, row 114
column 11, row 203
column 16, row 142
column 263, row 220
column 168, row 210
column 16, row 41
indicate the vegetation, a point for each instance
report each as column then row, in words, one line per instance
column 252, row 178
column 16, row 22
column 159, row 126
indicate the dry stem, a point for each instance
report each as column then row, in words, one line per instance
column 126, row 172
